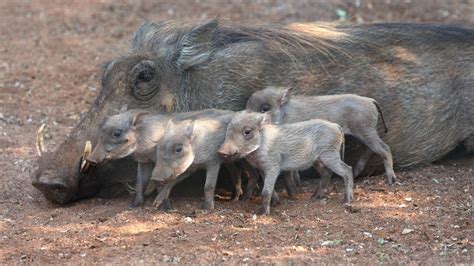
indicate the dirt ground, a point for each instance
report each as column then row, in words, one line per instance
column 50, row 55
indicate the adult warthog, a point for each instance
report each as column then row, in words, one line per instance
column 422, row 76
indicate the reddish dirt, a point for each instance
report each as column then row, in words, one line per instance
column 50, row 55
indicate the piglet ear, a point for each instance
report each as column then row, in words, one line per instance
column 189, row 128
column 267, row 118
column 169, row 125
column 124, row 108
column 264, row 119
column 284, row 95
column 138, row 118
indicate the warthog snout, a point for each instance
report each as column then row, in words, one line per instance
column 54, row 190
column 162, row 174
column 97, row 156
column 228, row 151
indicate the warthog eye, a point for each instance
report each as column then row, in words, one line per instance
column 178, row 148
column 247, row 131
column 117, row 133
column 144, row 80
column 145, row 76
column 265, row 108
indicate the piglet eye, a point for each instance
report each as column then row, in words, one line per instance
column 117, row 133
column 247, row 131
column 178, row 148
column 265, row 108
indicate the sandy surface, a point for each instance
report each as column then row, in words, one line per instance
column 50, row 55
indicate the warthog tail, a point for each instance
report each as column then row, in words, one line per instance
column 343, row 146
column 381, row 115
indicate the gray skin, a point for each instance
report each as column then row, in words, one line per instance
column 288, row 147
column 135, row 133
column 357, row 115
column 191, row 145
column 186, row 147
column 292, row 180
column 422, row 76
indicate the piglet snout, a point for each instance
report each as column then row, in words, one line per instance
column 228, row 153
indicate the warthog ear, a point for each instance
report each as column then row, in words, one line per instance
column 264, row 119
column 284, row 97
column 145, row 34
column 124, row 108
column 169, row 125
column 188, row 128
column 138, row 118
column 195, row 46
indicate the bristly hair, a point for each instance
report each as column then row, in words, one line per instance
column 300, row 43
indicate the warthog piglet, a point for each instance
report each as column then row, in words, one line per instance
column 187, row 146
column 357, row 115
column 135, row 133
column 288, row 147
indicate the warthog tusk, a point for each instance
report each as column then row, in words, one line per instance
column 129, row 187
column 150, row 188
column 148, row 191
column 87, row 150
column 40, row 148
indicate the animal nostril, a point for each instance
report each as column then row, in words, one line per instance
column 44, row 183
column 53, row 190
column 43, row 180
